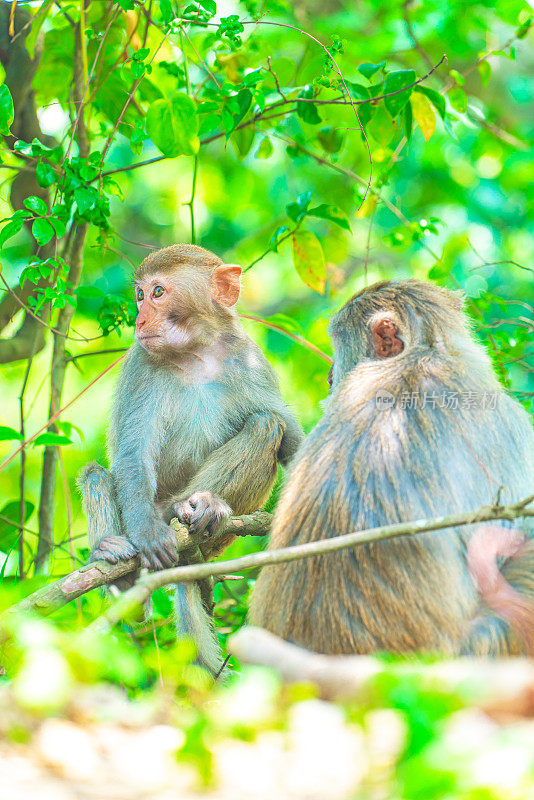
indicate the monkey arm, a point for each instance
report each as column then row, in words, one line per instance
column 292, row 438
column 136, row 435
column 135, row 478
column 242, row 471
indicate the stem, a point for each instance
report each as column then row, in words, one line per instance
column 22, row 480
column 294, row 336
column 186, row 65
column 191, row 200
column 57, row 379
column 55, row 416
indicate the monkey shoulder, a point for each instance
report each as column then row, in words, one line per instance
column 255, row 388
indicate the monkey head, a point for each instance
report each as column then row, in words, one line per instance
column 183, row 295
column 386, row 319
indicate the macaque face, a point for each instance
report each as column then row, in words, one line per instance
column 161, row 325
column 179, row 310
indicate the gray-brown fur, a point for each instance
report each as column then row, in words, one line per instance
column 196, row 431
column 363, row 467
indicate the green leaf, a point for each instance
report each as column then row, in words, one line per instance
column 456, row 76
column 59, row 226
column 138, row 69
column 51, row 439
column 85, row 198
column 208, row 5
column 45, row 174
column 172, row 124
column 9, row 434
column 368, row 70
column 7, row 113
column 424, row 115
column 297, row 210
column 331, row 139
column 396, row 81
column 265, row 150
column 309, row 261
column 166, row 11
column 437, row 99
column 243, row 140
column 9, row 230
column 438, row 271
column 458, row 99
column 523, row 29
column 368, row 206
column 37, row 24
column 9, row 532
column 36, row 205
column 382, row 127
column 162, row 603
column 484, row 70
column 331, row 213
column 358, row 91
column 308, row 111
column 42, row 230
column 68, row 427
column 276, row 236
column 244, row 99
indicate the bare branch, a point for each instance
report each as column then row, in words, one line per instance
column 91, row 576
column 504, row 686
column 144, row 587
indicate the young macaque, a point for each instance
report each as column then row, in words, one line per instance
column 198, row 426
column 416, row 427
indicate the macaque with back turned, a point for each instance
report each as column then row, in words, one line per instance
column 416, row 427
column 198, row 426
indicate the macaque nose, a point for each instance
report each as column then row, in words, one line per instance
column 141, row 320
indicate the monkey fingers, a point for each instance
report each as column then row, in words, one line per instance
column 114, row 549
column 157, row 549
column 203, row 512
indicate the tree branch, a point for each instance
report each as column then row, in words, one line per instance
column 144, row 587
column 59, row 364
column 91, row 576
column 501, row 687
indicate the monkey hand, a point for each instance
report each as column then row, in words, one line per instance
column 113, row 549
column 156, row 546
column 203, row 512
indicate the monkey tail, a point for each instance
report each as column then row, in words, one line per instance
column 194, row 621
column 509, row 607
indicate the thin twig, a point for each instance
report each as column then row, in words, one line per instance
column 54, row 417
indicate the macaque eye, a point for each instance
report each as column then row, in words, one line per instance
column 140, row 295
column 158, row 291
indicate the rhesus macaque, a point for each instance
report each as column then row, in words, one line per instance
column 198, row 425
column 416, row 426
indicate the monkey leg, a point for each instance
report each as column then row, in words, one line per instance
column 507, row 626
column 104, row 526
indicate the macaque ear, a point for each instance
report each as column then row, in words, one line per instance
column 226, row 284
column 385, row 338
